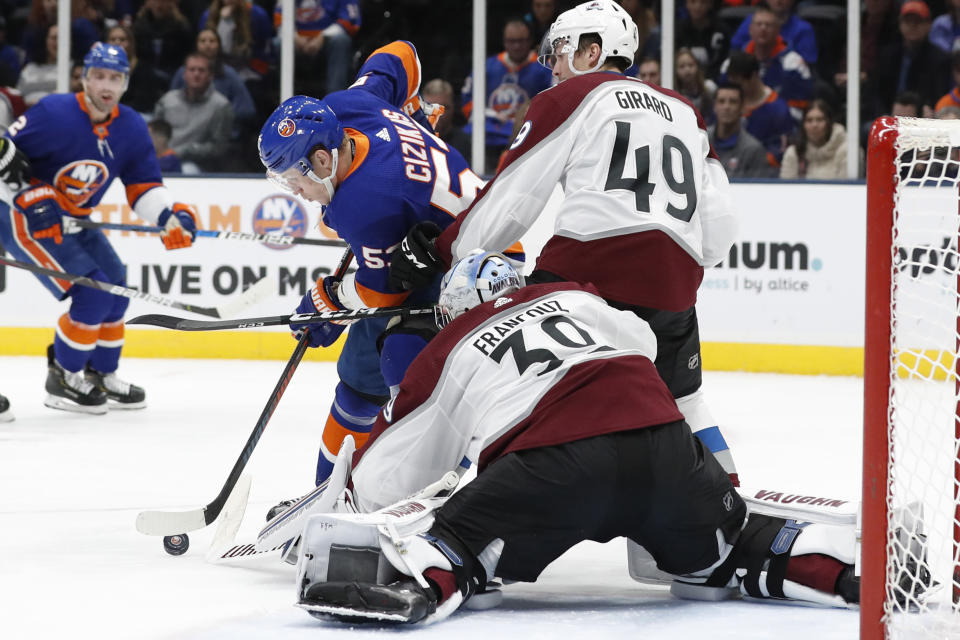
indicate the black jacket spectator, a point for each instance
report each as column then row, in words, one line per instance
column 704, row 35
column 163, row 36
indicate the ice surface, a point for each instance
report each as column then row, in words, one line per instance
column 73, row 566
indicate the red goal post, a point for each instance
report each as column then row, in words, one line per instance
column 910, row 567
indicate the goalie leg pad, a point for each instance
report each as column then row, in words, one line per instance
column 777, row 558
column 382, row 566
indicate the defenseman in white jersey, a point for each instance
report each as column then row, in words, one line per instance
column 646, row 203
column 553, row 394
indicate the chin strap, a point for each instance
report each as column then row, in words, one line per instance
column 328, row 181
column 578, row 72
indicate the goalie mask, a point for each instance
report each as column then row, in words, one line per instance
column 618, row 34
column 480, row 277
column 294, row 128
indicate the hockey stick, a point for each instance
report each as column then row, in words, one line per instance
column 73, row 225
column 185, row 324
column 168, row 523
column 250, row 295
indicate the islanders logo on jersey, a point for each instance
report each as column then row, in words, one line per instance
column 281, row 215
column 80, row 179
column 506, row 99
column 286, row 127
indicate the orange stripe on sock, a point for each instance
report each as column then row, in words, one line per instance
column 408, row 58
column 78, row 332
column 334, row 433
column 111, row 331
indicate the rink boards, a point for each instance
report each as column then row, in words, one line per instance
column 789, row 297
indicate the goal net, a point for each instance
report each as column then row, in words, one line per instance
column 911, row 481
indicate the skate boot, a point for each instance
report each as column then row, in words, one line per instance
column 5, row 414
column 70, row 390
column 121, row 394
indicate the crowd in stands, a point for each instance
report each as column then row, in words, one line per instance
column 768, row 76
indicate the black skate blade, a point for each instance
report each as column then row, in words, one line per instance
column 365, row 602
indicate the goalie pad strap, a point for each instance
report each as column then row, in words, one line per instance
column 764, row 544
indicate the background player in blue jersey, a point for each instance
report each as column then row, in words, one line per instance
column 58, row 159
column 366, row 155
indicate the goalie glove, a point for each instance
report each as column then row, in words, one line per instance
column 416, row 263
column 179, row 226
column 321, row 297
column 44, row 208
column 14, row 166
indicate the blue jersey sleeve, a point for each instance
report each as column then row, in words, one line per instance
column 392, row 73
column 141, row 171
column 30, row 132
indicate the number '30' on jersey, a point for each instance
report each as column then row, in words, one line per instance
column 545, row 365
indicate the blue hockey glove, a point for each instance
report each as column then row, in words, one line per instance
column 321, row 297
column 44, row 208
column 179, row 226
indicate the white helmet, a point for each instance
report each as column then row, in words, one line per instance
column 478, row 278
column 618, row 34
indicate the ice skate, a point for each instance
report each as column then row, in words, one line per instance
column 5, row 414
column 71, row 391
column 121, row 394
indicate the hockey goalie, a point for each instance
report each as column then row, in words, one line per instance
column 553, row 395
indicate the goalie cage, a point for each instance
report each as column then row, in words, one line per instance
column 911, row 464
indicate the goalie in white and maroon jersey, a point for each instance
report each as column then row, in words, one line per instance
column 554, row 396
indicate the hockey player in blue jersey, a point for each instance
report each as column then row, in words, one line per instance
column 369, row 155
column 58, row 159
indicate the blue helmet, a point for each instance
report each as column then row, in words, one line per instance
column 295, row 127
column 478, row 278
column 106, row 56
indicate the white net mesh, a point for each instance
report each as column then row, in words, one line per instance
column 922, row 581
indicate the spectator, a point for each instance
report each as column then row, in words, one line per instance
column 513, row 77
column 741, row 155
column 245, row 31
column 200, row 117
column 820, row 152
column 703, row 34
column 11, row 58
column 952, row 99
column 949, row 112
column 145, row 85
column 43, row 13
column 225, row 79
column 914, row 64
column 440, row 92
column 879, row 25
column 76, row 78
column 768, row 116
column 691, row 84
column 781, row 68
column 162, row 34
column 647, row 28
column 39, row 76
column 796, row 32
column 907, row 104
column 160, row 133
column 324, row 33
column 649, row 71
column 541, row 16
column 945, row 31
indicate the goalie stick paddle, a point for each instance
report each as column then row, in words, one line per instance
column 168, row 523
column 72, row 225
column 247, row 297
column 185, row 324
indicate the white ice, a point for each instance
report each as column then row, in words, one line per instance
column 73, row 566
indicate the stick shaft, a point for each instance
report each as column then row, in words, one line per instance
column 71, row 224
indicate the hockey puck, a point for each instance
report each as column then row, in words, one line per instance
column 176, row 545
